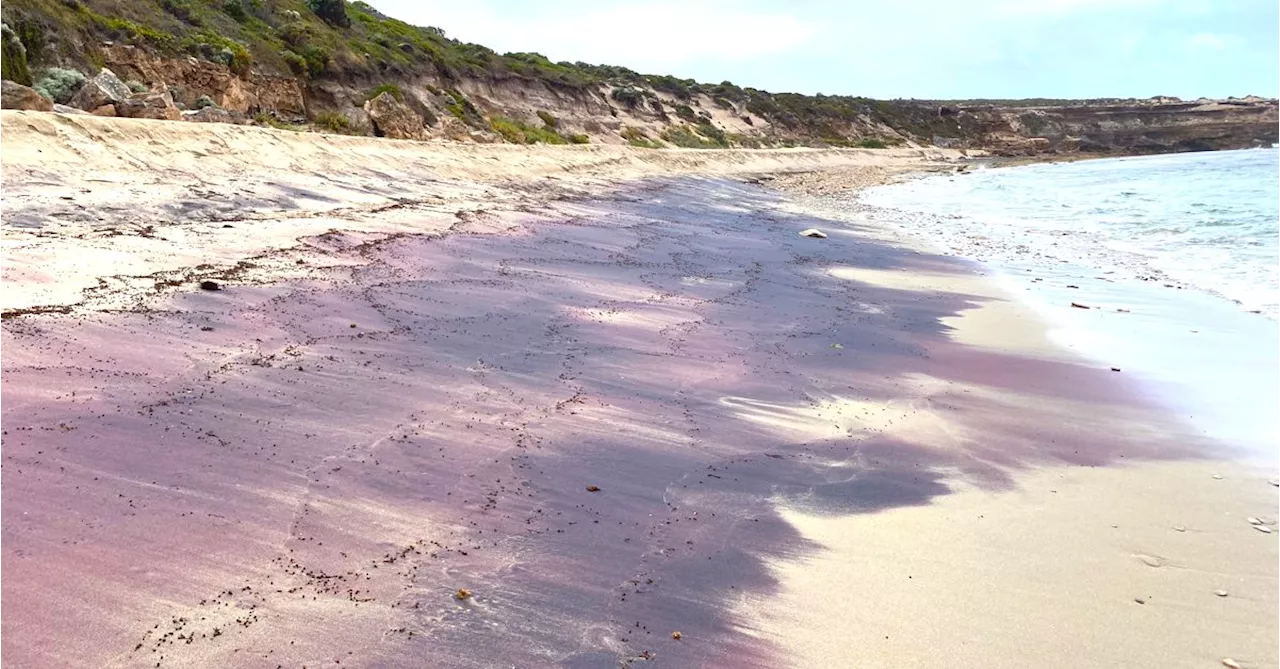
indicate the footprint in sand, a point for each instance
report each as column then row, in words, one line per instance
column 1150, row 560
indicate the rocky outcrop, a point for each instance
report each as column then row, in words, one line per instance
column 104, row 89
column 393, row 118
column 189, row 78
column 1137, row 126
column 157, row 104
column 16, row 96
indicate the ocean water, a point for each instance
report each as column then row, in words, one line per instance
column 1177, row 256
column 1203, row 221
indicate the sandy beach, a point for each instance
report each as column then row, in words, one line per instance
column 486, row 405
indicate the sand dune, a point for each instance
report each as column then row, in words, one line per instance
column 610, row 393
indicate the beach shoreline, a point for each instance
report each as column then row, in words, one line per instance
column 610, row 395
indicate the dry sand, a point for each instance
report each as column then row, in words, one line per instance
column 611, row 393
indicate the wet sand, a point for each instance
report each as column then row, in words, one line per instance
column 612, row 409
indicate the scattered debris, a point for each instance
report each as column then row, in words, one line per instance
column 1080, row 306
column 1071, row 286
column 1115, row 369
column 209, row 285
column 1140, row 600
column 593, row 488
column 1122, row 311
column 462, row 594
column 813, row 232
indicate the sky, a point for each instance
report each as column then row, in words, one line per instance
column 929, row 49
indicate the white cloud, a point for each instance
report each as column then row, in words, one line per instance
column 1209, row 41
column 640, row 35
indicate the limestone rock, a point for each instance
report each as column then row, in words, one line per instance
column 813, row 232
column 393, row 118
column 153, row 104
column 64, row 109
column 17, row 96
column 104, row 89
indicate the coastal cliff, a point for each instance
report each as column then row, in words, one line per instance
column 346, row 68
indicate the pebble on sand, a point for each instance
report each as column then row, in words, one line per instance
column 210, row 285
column 1262, row 528
column 1080, row 306
column 1220, row 593
column 1255, row 521
column 593, row 488
column 1140, row 600
column 462, row 593
column 813, row 232
column 1228, row 662
column 676, row 635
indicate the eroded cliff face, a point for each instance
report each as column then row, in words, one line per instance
column 1140, row 126
column 464, row 109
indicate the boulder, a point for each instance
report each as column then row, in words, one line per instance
column 104, row 110
column 393, row 118
column 104, row 89
column 17, row 96
column 64, row 109
column 153, row 104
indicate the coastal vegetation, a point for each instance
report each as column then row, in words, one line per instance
column 331, row 39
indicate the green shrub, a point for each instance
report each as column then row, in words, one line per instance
column 59, row 84
column 267, row 118
column 334, row 122
column 136, row 86
column 579, row 138
column 182, row 10
column 519, row 133
column 685, row 112
column 636, row 137
column 204, row 101
column 394, row 89
column 316, row 58
column 235, row 9
column 462, row 108
column 872, row 143
column 13, row 57
column 716, row 135
column 722, row 103
column 297, row 64
column 32, row 35
column 215, row 48
column 548, row 120
column 627, row 96
column 333, row 12
column 683, row 137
